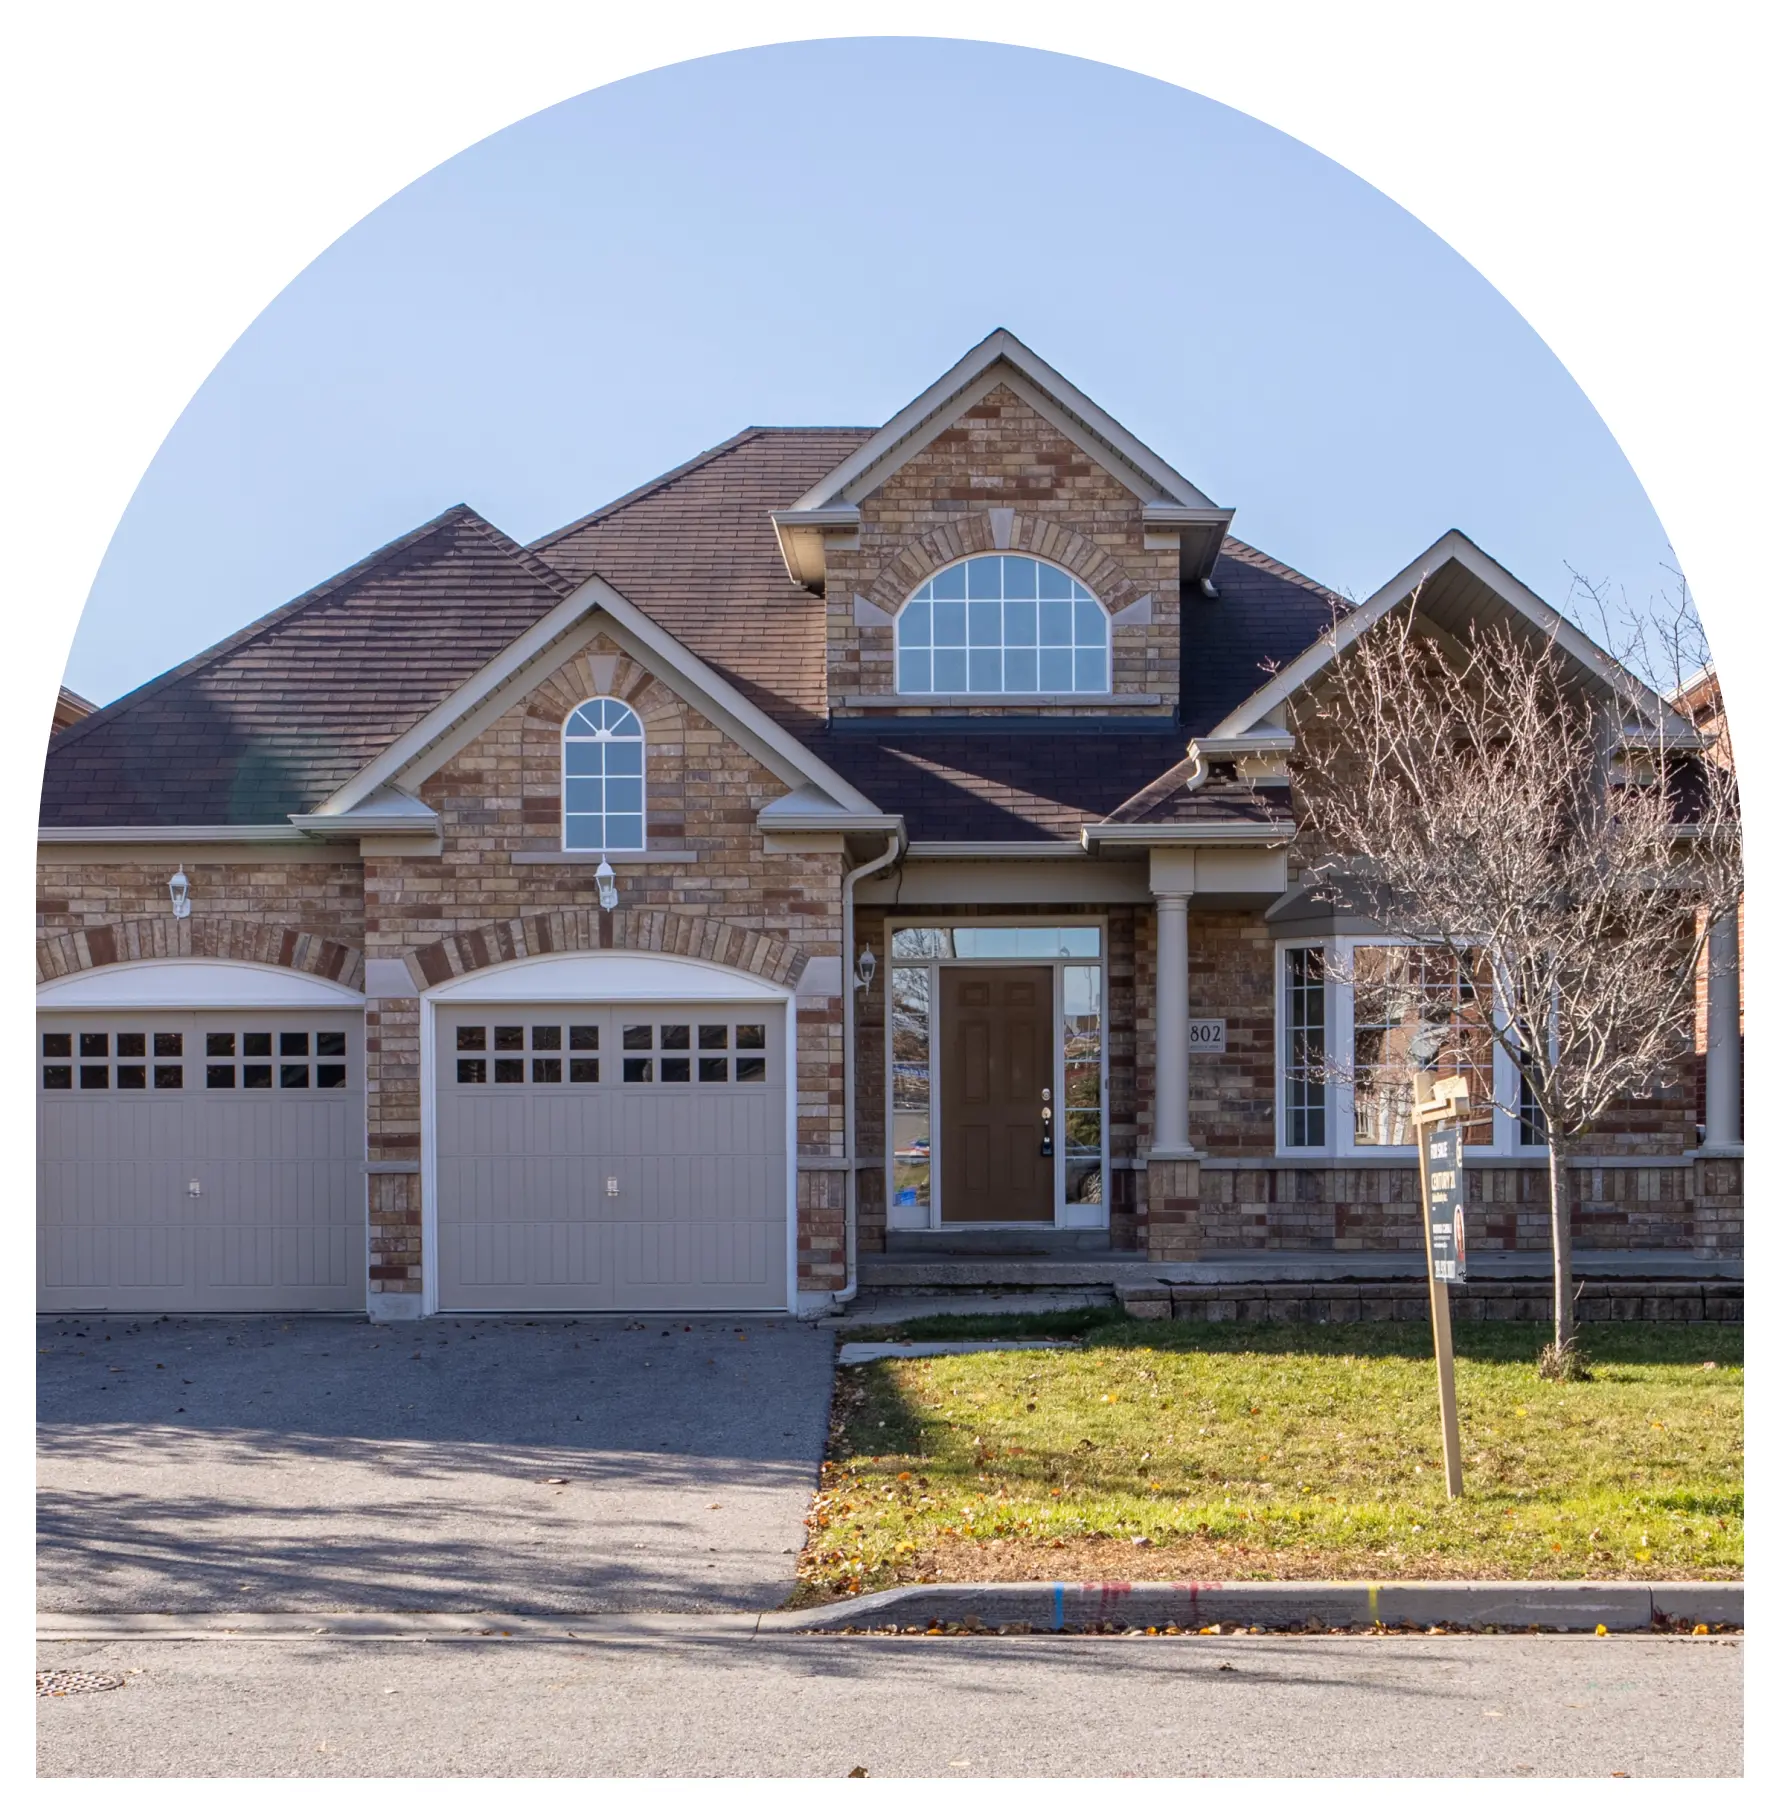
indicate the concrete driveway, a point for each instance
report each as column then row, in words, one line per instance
column 463, row 1464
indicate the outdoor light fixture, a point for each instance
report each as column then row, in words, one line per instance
column 181, row 892
column 608, row 885
column 867, row 969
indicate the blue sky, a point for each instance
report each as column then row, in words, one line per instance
column 811, row 234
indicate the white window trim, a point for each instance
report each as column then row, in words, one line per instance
column 1088, row 695
column 562, row 766
column 1338, row 1022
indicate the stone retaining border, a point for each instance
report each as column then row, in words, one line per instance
column 1406, row 1300
column 1066, row 1606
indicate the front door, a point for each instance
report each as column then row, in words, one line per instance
column 995, row 1091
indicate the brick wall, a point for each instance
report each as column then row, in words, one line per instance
column 261, row 906
column 1067, row 509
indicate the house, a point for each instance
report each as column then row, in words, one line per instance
column 70, row 709
column 854, row 833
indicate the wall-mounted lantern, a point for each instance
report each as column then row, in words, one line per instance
column 180, row 891
column 865, row 970
column 608, row 885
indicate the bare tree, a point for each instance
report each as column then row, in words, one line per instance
column 1556, row 843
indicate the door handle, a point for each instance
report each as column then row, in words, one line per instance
column 1046, row 1146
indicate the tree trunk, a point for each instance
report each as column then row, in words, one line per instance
column 1562, row 1295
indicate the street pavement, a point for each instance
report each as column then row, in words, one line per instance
column 785, row 1705
column 511, row 1464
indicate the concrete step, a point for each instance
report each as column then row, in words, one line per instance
column 940, row 1269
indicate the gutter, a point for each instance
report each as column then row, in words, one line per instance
column 892, row 850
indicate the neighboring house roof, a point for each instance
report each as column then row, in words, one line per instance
column 274, row 719
column 70, row 709
column 695, row 549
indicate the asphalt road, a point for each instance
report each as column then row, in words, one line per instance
column 908, row 1707
column 520, row 1464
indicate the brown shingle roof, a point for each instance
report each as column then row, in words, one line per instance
column 274, row 719
column 1016, row 782
column 696, row 550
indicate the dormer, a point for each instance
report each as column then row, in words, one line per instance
column 1002, row 546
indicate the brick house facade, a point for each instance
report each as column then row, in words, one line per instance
column 377, row 794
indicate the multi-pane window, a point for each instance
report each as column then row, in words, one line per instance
column 670, row 1049
column 1358, row 1018
column 243, row 1057
column 602, row 777
column 1306, row 1036
column 1002, row 623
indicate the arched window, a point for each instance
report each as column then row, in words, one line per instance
column 1002, row 623
column 602, row 777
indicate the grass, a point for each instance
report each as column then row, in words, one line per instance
column 1212, row 1452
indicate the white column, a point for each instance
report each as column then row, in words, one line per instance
column 1171, row 1140
column 1724, row 1051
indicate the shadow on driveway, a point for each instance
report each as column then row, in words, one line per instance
column 565, row 1465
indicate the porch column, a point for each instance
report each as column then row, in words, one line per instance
column 1724, row 1051
column 1171, row 1139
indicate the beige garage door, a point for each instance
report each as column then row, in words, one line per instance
column 599, row 1158
column 200, row 1161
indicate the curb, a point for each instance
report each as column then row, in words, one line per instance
column 1065, row 1606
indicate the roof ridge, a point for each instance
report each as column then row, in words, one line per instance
column 263, row 625
column 534, row 564
column 642, row 491
column 662, row 480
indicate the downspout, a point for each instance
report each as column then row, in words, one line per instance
column 892, row 851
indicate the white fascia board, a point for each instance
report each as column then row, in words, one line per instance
column 169, row 834
column 1268, row 742
column 417, row 752
column 1281, row 831
column 810, row 809
column 1453, row 546
column 999, row 349
column 965, row 850
column 388, row 813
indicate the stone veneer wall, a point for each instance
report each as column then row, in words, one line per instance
column 1067, row 509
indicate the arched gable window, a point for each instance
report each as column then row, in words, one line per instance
column 602, row 777
column 1002, row 623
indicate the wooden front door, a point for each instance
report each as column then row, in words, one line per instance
column 995, row 1085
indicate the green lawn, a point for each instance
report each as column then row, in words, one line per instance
column 1194, row 1451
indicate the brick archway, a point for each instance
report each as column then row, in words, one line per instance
column 650, row 929
column 248, row 941
column 1040, row 536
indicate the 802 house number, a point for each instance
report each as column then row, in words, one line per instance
column 1205, row 1036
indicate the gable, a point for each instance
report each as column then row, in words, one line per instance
column 1172, row 506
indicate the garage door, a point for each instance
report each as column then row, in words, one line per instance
column 612, row 1158
column 201, row 1161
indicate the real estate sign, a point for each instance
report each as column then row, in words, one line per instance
column 1446, row 1202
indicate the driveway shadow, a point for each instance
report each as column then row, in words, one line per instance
column 462, row 1464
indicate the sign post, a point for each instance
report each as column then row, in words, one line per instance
column 1437, row 1106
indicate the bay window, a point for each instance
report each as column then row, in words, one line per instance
column 1358, row 1017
